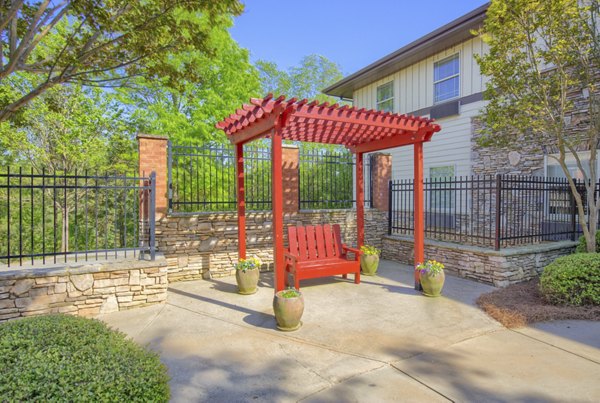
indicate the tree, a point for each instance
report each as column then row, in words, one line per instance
column 306, row 80
column 543, row 54
column 69, row 129
column 101, row 43
column 189, row 111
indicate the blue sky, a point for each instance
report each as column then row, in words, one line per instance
column 352, row 33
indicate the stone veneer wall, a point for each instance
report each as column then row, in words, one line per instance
column 499, row 268
column 526, row 157
column 205, row 245
column 83, row 289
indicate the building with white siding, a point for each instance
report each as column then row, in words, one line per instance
column 437, row 76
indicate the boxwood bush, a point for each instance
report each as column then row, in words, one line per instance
column 68, row 358
column 572, row 280
column 582, row 245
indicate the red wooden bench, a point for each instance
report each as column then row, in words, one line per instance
column 317, row 251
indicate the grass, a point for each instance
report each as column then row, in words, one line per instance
column 522, row 304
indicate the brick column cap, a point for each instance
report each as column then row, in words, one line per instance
column 151, row 136
column 290, row 146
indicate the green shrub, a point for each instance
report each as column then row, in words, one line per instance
column 582, row 246
column 68, row 358
column 572, row 280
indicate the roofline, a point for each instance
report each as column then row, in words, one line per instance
column 474, row 17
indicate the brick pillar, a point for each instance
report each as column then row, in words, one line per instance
column 153, row 157
column 381, row 175
column 290, row 178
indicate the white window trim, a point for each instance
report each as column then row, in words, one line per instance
column 392, row 98
column 457, row 54
column 551, row 161
column 442, row 209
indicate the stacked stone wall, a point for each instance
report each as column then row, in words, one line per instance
column 205, row 245
column 85, row 290
column 498, row 268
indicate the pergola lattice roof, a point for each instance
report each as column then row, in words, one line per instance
column 360, row 130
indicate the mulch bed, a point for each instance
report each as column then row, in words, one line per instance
column 521, row 304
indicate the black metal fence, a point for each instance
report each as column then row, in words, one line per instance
column 493, row 211
column 326, row 180
column 52, row 217
column 202, row 178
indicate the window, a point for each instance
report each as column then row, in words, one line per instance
column 559, row 195
column 440, row 197
column 446, row 79
column 385, row 97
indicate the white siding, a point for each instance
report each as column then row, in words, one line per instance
column 413, row 85
column 413, row 90
column 450, row 146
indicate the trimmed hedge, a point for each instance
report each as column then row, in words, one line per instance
column 582, row 245
column 68, row 358
column 572, row 280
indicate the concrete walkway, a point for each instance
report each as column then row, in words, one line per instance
column 377, row 341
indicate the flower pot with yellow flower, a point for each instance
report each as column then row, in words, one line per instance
column 247, row 274
column 432, row 277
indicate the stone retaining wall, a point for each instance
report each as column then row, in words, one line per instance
column 499, row 268
column 205, row 244
column 83, row 289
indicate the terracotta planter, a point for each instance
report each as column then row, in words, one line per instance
column 247, row 281
column 432, row 284
column 369, row 264
column 288, row 311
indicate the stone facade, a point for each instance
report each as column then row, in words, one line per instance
column 526, row 156
column 525, row 159
column 205, row 244
column 499, row 268
column 83, row 289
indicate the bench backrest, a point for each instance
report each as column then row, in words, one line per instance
column 315, row 242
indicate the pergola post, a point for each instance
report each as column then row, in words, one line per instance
column 277, row 204
column 360, row 201
column 241, row 200
column 419, row 235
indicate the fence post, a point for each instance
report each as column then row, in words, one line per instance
column 152, row 217
column 291, row 175
column 498, row 208
column 153, row 158
column 381, row 173
column 390, row 203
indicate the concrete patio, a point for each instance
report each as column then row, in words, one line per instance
column 377, row 341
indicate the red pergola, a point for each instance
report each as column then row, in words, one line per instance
column 360, row 130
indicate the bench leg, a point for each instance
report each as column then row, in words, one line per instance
column 297, row 282
column 357, row 277
column 344, row 276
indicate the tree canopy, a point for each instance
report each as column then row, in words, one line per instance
column 544, row 56
column 189, row 111
column 102, row 43
column 307, row 80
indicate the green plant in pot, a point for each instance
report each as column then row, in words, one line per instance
column 369, row 260
column 288, row 306
column 246, row 274
column 432, row 277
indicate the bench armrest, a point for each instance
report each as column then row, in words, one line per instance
column 357, row 252
column 292, row 258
